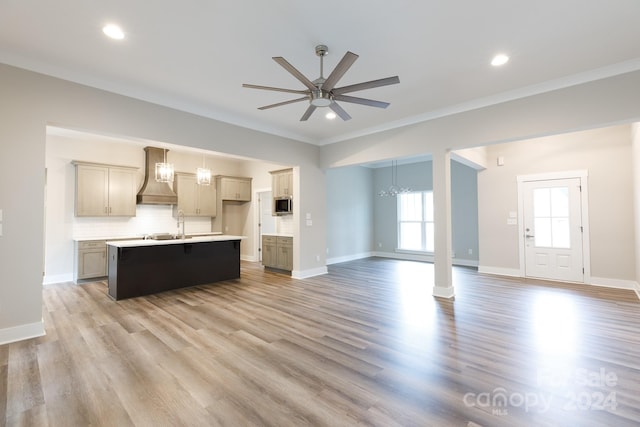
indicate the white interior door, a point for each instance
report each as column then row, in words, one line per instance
column 553, row 233
column 267, row 222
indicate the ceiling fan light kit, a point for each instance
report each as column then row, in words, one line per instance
column 322, row 92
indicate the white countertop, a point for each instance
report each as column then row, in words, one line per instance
column 141, row 236
column 278, row 234
column 195, row 239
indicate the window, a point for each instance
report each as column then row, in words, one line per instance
column 415, row 221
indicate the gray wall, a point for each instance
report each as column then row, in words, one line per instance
column 360, row 223
column 349, row 213
column 607, row 156
column 419, row 177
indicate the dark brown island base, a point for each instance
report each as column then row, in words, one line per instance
column 144, row 267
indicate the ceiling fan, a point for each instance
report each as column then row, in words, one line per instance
column 322, row 92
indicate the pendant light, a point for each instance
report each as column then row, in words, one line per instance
column 394, row 189
column 164, row 170
column 203, row 175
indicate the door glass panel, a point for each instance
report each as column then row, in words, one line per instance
column 542, row 227
column 541, row 203
column 551, row 217
column 560, row 202
column 560, row 233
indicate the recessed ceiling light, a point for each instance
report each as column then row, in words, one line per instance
column 113, row 31
column 330, row 115
column 499, row 60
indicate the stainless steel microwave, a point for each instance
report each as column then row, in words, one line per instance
column 282, row 205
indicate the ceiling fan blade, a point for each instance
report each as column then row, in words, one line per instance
column 339, row 111
column 297, row 74
column 366, row 85
column 279, row 104
column 308, row 113
column 276, row 89
column 361, row 101
column 345, row 63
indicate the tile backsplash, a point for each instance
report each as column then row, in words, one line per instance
column 285, row 224
column 149, row 219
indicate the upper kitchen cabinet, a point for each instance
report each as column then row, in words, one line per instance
column 105, row 190
column 194, row 199
column 282, row 183
column 234, row 188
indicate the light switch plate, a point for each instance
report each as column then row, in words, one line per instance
column 0, row 229
column 309, row 223
column 512, row 221
column 0, row 215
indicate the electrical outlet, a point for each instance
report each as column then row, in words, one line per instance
column 379, row 244
column 318, row 258
column 470, row 252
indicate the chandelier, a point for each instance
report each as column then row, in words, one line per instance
column 164, row 170
column 203, row 174
column 394, row 189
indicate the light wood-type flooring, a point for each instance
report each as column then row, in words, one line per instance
column 366, row 344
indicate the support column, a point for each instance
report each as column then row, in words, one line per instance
column 443, row 286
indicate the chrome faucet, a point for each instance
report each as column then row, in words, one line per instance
column 181, row 220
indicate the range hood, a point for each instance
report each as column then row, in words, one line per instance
column 152, row 191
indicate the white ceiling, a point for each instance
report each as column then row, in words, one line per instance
column 194, row 55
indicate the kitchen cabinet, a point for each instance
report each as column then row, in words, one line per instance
column 269, row 251
column 277, row 252
column 90, row 259
column 234, row 188
column 282, row 183
column 194, row 199
column 144, row 267
column 105, row 190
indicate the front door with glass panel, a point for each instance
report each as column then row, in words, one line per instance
column 552, row 221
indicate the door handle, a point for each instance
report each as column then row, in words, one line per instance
column 529, row 236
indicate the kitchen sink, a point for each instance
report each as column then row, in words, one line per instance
column 167, row 236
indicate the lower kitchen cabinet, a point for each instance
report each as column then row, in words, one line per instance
column 277, row 252
column 90, row 259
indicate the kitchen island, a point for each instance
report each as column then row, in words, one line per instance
column 143, row 267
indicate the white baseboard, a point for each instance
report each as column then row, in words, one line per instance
column 337, row 260
column 22, row 332
column 249, row 258
column 499, row 271
column 423, row 258
column 613, row 283
column 405, row 256
column 57, row 278
column 304, row 274
column 465, row 262
column 616, row 283
column 595, row 281
column 440, row 292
